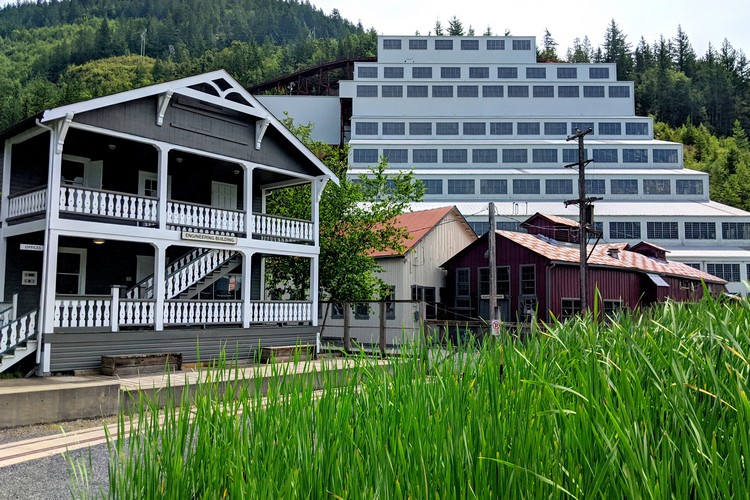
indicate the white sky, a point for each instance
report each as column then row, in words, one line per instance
column 703, row 21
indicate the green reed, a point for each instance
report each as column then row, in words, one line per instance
column 652, row 404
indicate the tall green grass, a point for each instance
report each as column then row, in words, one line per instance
column 652, row 405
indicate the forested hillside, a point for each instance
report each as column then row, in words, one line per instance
column 60, row 51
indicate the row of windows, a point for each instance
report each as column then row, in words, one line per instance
column 362, row 128
column 521, row 155
column 566, row 186
column 540, row 91
column 669, row 230
column 510, row 73
column 447, row 44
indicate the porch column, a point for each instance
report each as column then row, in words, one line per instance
column 160, row 276
column 247, row 202
column 47, row 298
column 162, row 183
column 314, row 288
column 246, row 288
column 315, row 189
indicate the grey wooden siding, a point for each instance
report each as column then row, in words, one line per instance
column 190, row 124
column 29, row 164
column 72, row 351
column 18, row 260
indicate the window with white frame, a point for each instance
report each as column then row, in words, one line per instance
column 658, row 230
column 568, row 91
column 394, row 128
column 526, row 186
column 593, row 91
column 610, row 128
column 727, row 272
column 442, row 91
column 635, row 155
column 461, row 186
column 689, row 186
column 416, row 91
column 475, row 128
column 367, row 90
column 417, row 44
column 479, row 72
column 515, row 155
column 365, row 155
column 495, row 44
column 735, row 231
column 604, row 155
column 391, row 44
column 518, row 91
column 467, row 91
column 443, row 44
column 484, row 155
column 558, row 186
column 455, row 156
column 493, row 186
column 536, row 72
column 623, row 186
column 424, row 156
column 501, row 128
column 598, row 73
column 492, row 91
column 657, row 186
column 521, row 44
column 502, row 280
column 396, row 155
column 619, row 91
column 544, row 155
column 543, row 91
column 700, row 230
column 446, row 128
column 392, row 91
column 567, row 72
column 469, row 44
column 367, row 72
column 393, row 72
column 528, row 128
column 507, row 72
column 665, row 156
column 420, row 128
column 624, row 230
column 366, row 128
column 421, row 72
column 450, row 72
column 432, row 186
column 555, row 128
column 636, row 128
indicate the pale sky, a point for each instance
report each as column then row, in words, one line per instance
column 703, row 21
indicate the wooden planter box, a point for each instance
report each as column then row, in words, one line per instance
column 135, row 364
column 287, row 353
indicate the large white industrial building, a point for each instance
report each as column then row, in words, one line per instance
column 479, row 120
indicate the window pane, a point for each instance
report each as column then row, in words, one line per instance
column 558, row 186
column 433, row 186
column 515, row 156
column 568, row 91
column 394, row 128
column 501, row 128
column 544, row 155
column 469, row 44
column 393, row 91
column 525, row 128
column 507, row 72
column 543, row 91
column 443, row 44
column 492, row 91
column 689, row 186
column 391, row 44
column 418, row 44
column 479, row 72
column 635, row 156
column 567, row 72
column 450, row 72
column 518, row 91
column 366, row 128
column 467, row 91
column 526, row 186
column 424, row 155
column 396, row 155
column 555, row 128
column 475, row 128
column 393, row 72
column 450, row 128
column 593, row 91
column 419, row 72
column 367, row 72
column 623, row 186
column 460, row 186
column 416, row 91
column 367, row 90
column 656, row 186
column 442, row 91
column 536, row 72
column 420, row 128
column 484, row 155
column 493, row 186
column 454, row 156
column 598, row 73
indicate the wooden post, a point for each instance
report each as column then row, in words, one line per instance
column 14, row 304
column 382, row 329
column 347, row 337
column 114, row 311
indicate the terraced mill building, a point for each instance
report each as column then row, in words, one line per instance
column 479, row 120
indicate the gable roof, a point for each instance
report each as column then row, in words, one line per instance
column 626, row 260
column 418, row 225
column 227, row 92
column 563, row 221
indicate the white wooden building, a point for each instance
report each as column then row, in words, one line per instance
column 128, row 220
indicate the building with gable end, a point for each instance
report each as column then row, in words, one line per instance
column 128, row 220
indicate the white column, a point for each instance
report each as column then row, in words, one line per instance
column 4, row 203
column 163, row 184
column 47, row 298
column 315, row 191
column 53, row 183
column 246, row 288
column 3, row 262
column 247, row 202
column 314, row 288
column 160, row 284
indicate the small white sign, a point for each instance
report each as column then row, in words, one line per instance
column 210, row 238
column 28, row 278
column 495, row 327
column 33, row 248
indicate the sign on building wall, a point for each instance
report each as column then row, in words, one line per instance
column 33, row 248
column 28, row 278
column 209, row 238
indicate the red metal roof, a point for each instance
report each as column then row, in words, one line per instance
column 564, row 221
column 626, row 260
column 417, row 225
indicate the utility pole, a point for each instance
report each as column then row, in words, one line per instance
column 585, row 208
column 491, row 250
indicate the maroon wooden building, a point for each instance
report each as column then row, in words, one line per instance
column 539, row 274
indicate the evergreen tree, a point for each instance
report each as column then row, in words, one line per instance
column 455, row 27
column 617, row 50
column 683, row 53
column 548, row 52
column 582, row 52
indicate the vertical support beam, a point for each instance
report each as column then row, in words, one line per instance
column 246, row 288
column 47, row 298
column 114, row 313
column 314, row 291
column 4, row 204
column 492, row 251
column 382, row 330
column 55, row 176
column 582, row 233
column 160, row 285
column 163, row 185
column 3, row 261
column 347, row 320
column 248, row 200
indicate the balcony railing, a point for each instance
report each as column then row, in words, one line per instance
column 98, row 202
column 282, row 228
column 182, row 215
column 27, row 203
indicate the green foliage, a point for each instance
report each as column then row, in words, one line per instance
column 653, row 405
column 356, row 218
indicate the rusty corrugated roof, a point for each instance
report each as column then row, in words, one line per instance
column 626, row 260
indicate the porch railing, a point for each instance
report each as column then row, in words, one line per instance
column 280, row 311
column 202, row 312
column 98, row 202
column 182, row 215
column 18, row 331
column 282, row 227
column 29, row 202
